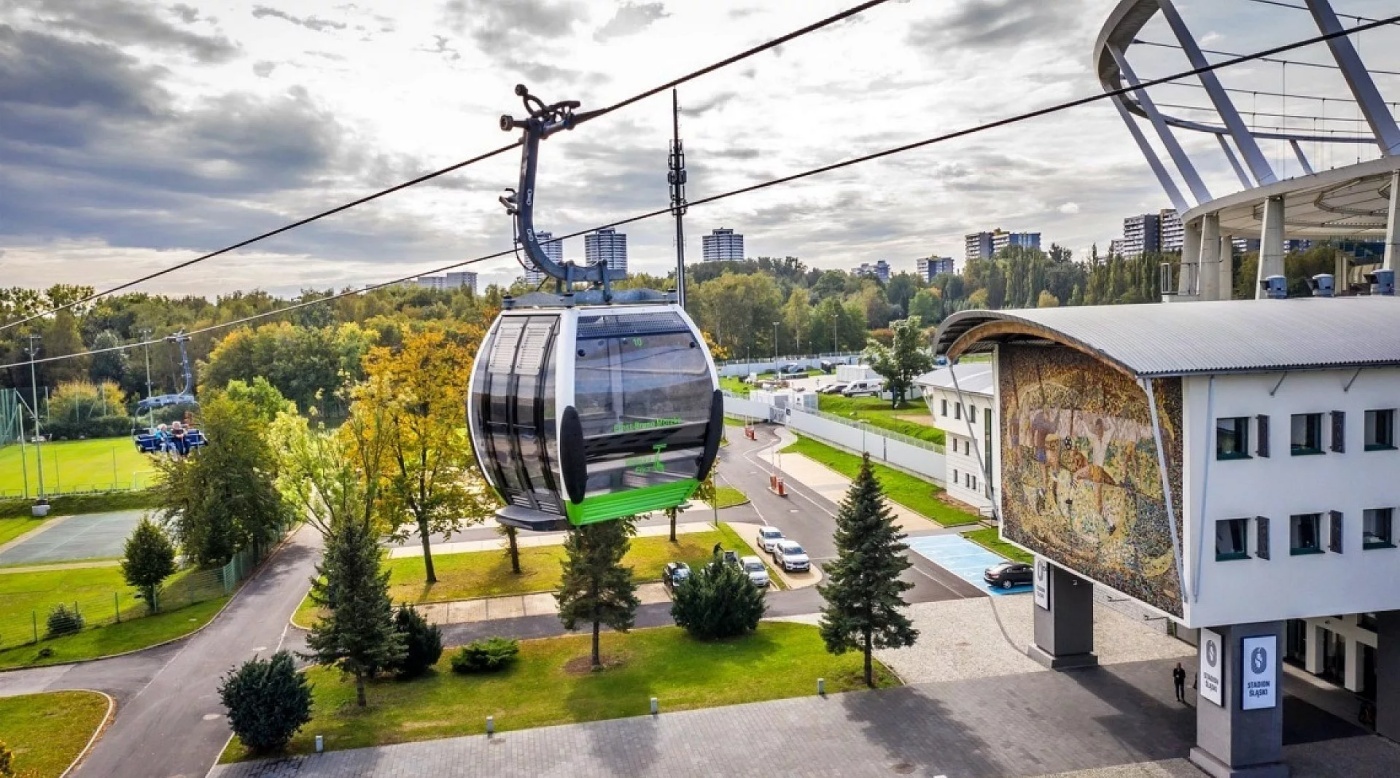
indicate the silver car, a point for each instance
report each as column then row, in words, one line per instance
column 756, row 571
column 767, row 538
column 789, row 556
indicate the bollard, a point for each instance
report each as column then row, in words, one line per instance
column 320, row 744
column 490, row 725
column 653, row 706
column 821, row 686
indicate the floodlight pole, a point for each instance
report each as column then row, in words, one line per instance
column 146, row 340
column 34, row 385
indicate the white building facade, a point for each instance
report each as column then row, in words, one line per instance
column 722, row 245
column 966, row 412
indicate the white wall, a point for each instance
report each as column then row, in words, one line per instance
column 955, row 431
column 1287, row 586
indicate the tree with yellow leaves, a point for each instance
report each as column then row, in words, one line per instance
column 414, row 402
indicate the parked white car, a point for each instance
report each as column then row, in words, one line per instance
column 789, row 556
column 756, row 571
column 768, row 537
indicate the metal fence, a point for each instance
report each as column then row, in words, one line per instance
column 103, row 608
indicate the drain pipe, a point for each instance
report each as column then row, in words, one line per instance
column 988, row 490
column 1205, row 492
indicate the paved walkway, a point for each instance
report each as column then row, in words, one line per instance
column 516, row 605
column 1036, row 724
column 60, row 566
column 686, row 522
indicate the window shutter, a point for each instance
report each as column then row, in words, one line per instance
column 1339, row 430
column 1262, row 445
column 1261, row 537
column 1334, row 535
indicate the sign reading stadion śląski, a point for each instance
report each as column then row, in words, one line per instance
column 1042, row 582
column 1258, row 678
column 1212, row 659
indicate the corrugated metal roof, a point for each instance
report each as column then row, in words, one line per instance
column 973, row 378
column 1304, row 333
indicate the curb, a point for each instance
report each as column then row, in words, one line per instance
column 256, row 571
column 96, row 735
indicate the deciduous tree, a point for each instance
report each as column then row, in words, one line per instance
column 902, row 361
column 595, row 587
column 147, row 560
column 863, row 590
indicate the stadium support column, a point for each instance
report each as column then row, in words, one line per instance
column 1392, row 223
column 1210, row 256
column 1188, row 286
column 1227, row 267
column 1388, row 674
column 1239, row 704
column 1064, row 619
column 1270, row 244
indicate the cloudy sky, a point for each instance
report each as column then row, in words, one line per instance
column 135, row 133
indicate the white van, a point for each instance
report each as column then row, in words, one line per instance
column 866, row 386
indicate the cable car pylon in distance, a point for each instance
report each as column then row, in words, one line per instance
column 587, row 405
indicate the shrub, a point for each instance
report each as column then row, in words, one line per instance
column 718, row 601
column 7, row 768
column 63, row 621
column 267, row 701
column 485, row 656
column 422, row 640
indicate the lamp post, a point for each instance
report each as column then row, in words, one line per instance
column 864, row 425
column 834, row 350
column 146, row 341
column 34, row 386
column 775, row 345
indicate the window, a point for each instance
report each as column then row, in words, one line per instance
column 1261, row 537
column 1305, row 532
column 943, row 408
column 1334, row 532
column 1230, row 539
column 955, row 476
column 957, row 411
column 1261, row 447
column 1339, row 431
column 1380, row 430
column 974, row 483
column 1375, row 528
column 972, row 413
column 1232, row 438
column 1306, row 434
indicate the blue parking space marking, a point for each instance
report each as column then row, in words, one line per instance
column 962, row 558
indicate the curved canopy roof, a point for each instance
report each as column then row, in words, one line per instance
column 1168, row 339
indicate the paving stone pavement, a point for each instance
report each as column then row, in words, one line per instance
column 516, row 605
column 1036, row 724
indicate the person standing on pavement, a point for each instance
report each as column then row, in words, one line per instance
column 1179, row 681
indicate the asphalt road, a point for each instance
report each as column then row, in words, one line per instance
column 809, row 518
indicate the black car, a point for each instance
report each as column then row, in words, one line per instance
column 675, row 573
column 1009, row 574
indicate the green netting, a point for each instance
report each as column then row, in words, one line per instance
column 10, row 410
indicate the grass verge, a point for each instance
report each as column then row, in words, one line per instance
column 112, row 638
column 988, row 538
column 728, row 497
column 475, row 574
column 879, row 413
column 48, row 731
column 551, row 684
column 913, row 493
column 80, row 503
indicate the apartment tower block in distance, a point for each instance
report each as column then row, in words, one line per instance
column 722, row 245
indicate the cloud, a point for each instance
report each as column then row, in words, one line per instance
column 988, row 24
column 263, row 69
column 1069, row 208
column 630, row 19
column 703, row 107
column 495, row 25
column 314, row 23
column 130, row 23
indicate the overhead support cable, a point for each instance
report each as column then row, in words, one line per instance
column 665, row 210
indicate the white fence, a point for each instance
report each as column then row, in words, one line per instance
column 740, row 368
column 899, row 451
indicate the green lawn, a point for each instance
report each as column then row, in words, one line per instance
column 21, row 593
column 879, row 413
column 81, row 503
column 728, row 497
column 988, row 539
column 476, row 574
column 13, row 528
column 550, row 684
column 48, row 731
column 913, row 493
column 76, row 466
column 111, row 639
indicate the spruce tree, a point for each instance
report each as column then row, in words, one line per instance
column 147, row 560
column 596, row 587
column 863, row 591
column 357, row 635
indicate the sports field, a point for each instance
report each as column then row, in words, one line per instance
column 75, row 466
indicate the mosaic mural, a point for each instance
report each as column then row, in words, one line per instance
column 1080, row 478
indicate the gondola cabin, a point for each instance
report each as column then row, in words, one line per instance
column 592, row 413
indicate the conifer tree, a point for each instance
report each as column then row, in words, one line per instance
column 863, row 591
column 596, row 587
column 357, row 635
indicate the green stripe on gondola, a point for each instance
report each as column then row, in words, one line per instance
column 631, row 502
